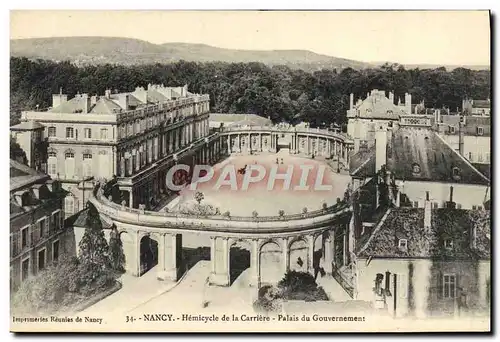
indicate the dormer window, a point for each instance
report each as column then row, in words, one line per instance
column 403, row 244
column 480, row 131
column 452, row 130
column 455, row 173
column 448, row 243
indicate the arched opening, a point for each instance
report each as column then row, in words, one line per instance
column 298, row 256
column 271, row 266
column 148, row 254
column 239, row 261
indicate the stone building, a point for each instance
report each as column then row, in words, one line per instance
column 476, row 107
column 29, row 136
column 374, row 111
column 37, row 237
column 125, row 135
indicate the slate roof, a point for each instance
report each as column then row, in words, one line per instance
column 408, row 223
column 409, row 147
column 27, row 126
column 74, row 105
column 22, row 175
column 378, row 106
column 105, row 106
column 80, row 219
column 485, row 169
column 239, row 119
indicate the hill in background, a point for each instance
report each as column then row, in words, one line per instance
column 126, row 51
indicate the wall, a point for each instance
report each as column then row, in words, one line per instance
column 419, row 288
column 464, row 194
column 477, row 148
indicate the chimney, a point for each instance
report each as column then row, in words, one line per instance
column 391, row 97
column 437, row 115
column 380, row 148
column 351, row 101
column 107, row 93
column 86, row 103
column 427, row 212
column 450, row 204
column 58, row 99
column 123, row 101
column 93, row 99
column 408, row 103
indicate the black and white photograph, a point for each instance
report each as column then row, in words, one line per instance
column 250, row 171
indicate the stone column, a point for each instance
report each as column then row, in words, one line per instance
column 255, row 263
column 131, row 198
column 220, row 262
column 131, row 249
column 122, row 166
column 329, row 246
column 168, row 252
column 308, row 142
column 310, row 256
column 286, row 256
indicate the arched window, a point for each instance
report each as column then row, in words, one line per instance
column 52, row 163
column 69, row 164
column 87, row 163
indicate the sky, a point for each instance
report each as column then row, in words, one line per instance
column 409, row 37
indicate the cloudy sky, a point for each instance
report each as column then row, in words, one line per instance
column 452, row 38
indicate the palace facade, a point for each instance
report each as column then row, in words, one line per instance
column 124, row 135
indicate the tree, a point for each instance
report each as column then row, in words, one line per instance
column 198, row 196
column 16, row 152
column 300, row 286
column 93, row 247
column 116, row 255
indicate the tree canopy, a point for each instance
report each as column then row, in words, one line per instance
column 279, row 92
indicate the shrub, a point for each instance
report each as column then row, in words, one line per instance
column 300, row 286
column 304, row 210
column 281, row 213
column 255, row 214
column 198, row 196
column 227, row 214
column 116, row 255
column 324, row 205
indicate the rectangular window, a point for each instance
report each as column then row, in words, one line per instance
column 52, row 167
column 435, row 205
column 41, row 228
column 87, row 133
column 470, row 155
column 24, row 237
column 415, row 204
column 55, row 250
column 480, row 131
column 57, row 221
column 449, row 286
column 452, row 129
column 41, row 259
column 70, row 132
column 488, row 157
column 52, row 131
column 25, row 269
column 104, row 133
column 480, row 157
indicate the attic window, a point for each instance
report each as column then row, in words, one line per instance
column 455, row 173
column 448, row 243
column 403, row 244
column 452, row 130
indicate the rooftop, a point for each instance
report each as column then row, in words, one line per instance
column 418, row 155
column 27, row 126
column 80, row 220
column 238, row 120
column 22, row 175
column 378, row 106
column 446, row 224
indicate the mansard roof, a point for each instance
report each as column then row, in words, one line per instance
column 407, row 148
column 446, row 223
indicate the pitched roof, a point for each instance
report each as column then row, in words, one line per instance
column 80, row 220
column 27, row 126
column 155, row 96
column 239, row 119
column 408, row 223
column 74, row 105
column 378, row 106
column 105, row 106
column 22, row 175
column 410, row 149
